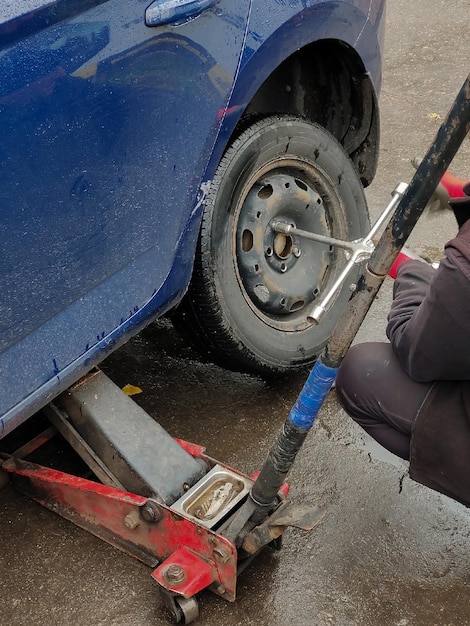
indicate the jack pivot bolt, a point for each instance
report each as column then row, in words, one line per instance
column 151, row 512
column 175, row 575
column 221, row 554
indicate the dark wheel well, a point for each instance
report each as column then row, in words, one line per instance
column 325, row 83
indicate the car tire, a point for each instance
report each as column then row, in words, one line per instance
column 252, row 288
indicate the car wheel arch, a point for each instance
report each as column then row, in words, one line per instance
column 326, row 71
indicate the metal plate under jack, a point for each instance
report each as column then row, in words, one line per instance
column 214, row 496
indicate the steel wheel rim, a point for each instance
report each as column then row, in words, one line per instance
column 281, row 276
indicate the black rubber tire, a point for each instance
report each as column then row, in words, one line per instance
column 249, row 295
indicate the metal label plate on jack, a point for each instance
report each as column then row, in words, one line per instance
column 214, row 496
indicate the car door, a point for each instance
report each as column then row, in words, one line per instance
column 108, row 111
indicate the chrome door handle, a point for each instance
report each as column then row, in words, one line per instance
column 165, row 11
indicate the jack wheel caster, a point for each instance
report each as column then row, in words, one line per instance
column 182, row 610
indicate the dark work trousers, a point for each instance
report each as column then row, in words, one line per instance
column 376, row 392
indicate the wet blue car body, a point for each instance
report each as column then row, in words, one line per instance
column 114, row 115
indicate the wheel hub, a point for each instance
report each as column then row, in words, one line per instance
column 281, row 274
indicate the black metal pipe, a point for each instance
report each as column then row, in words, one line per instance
column 278, row 463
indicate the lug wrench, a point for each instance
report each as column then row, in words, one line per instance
column 302, row 416
column 361, row 249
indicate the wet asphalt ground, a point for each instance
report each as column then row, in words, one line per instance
column 389, row 552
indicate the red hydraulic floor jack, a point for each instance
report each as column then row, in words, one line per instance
column 196, row 522
column 160, row 499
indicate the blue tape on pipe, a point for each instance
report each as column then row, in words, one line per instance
column 312, row 396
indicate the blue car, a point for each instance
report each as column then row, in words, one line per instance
column 147, row 149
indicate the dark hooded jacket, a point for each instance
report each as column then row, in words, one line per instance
column 429, row 329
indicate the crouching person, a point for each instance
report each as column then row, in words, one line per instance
column 412, row 395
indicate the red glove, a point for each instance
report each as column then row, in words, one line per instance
column 455, row 186
column 461, row 205
column 452, row 192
